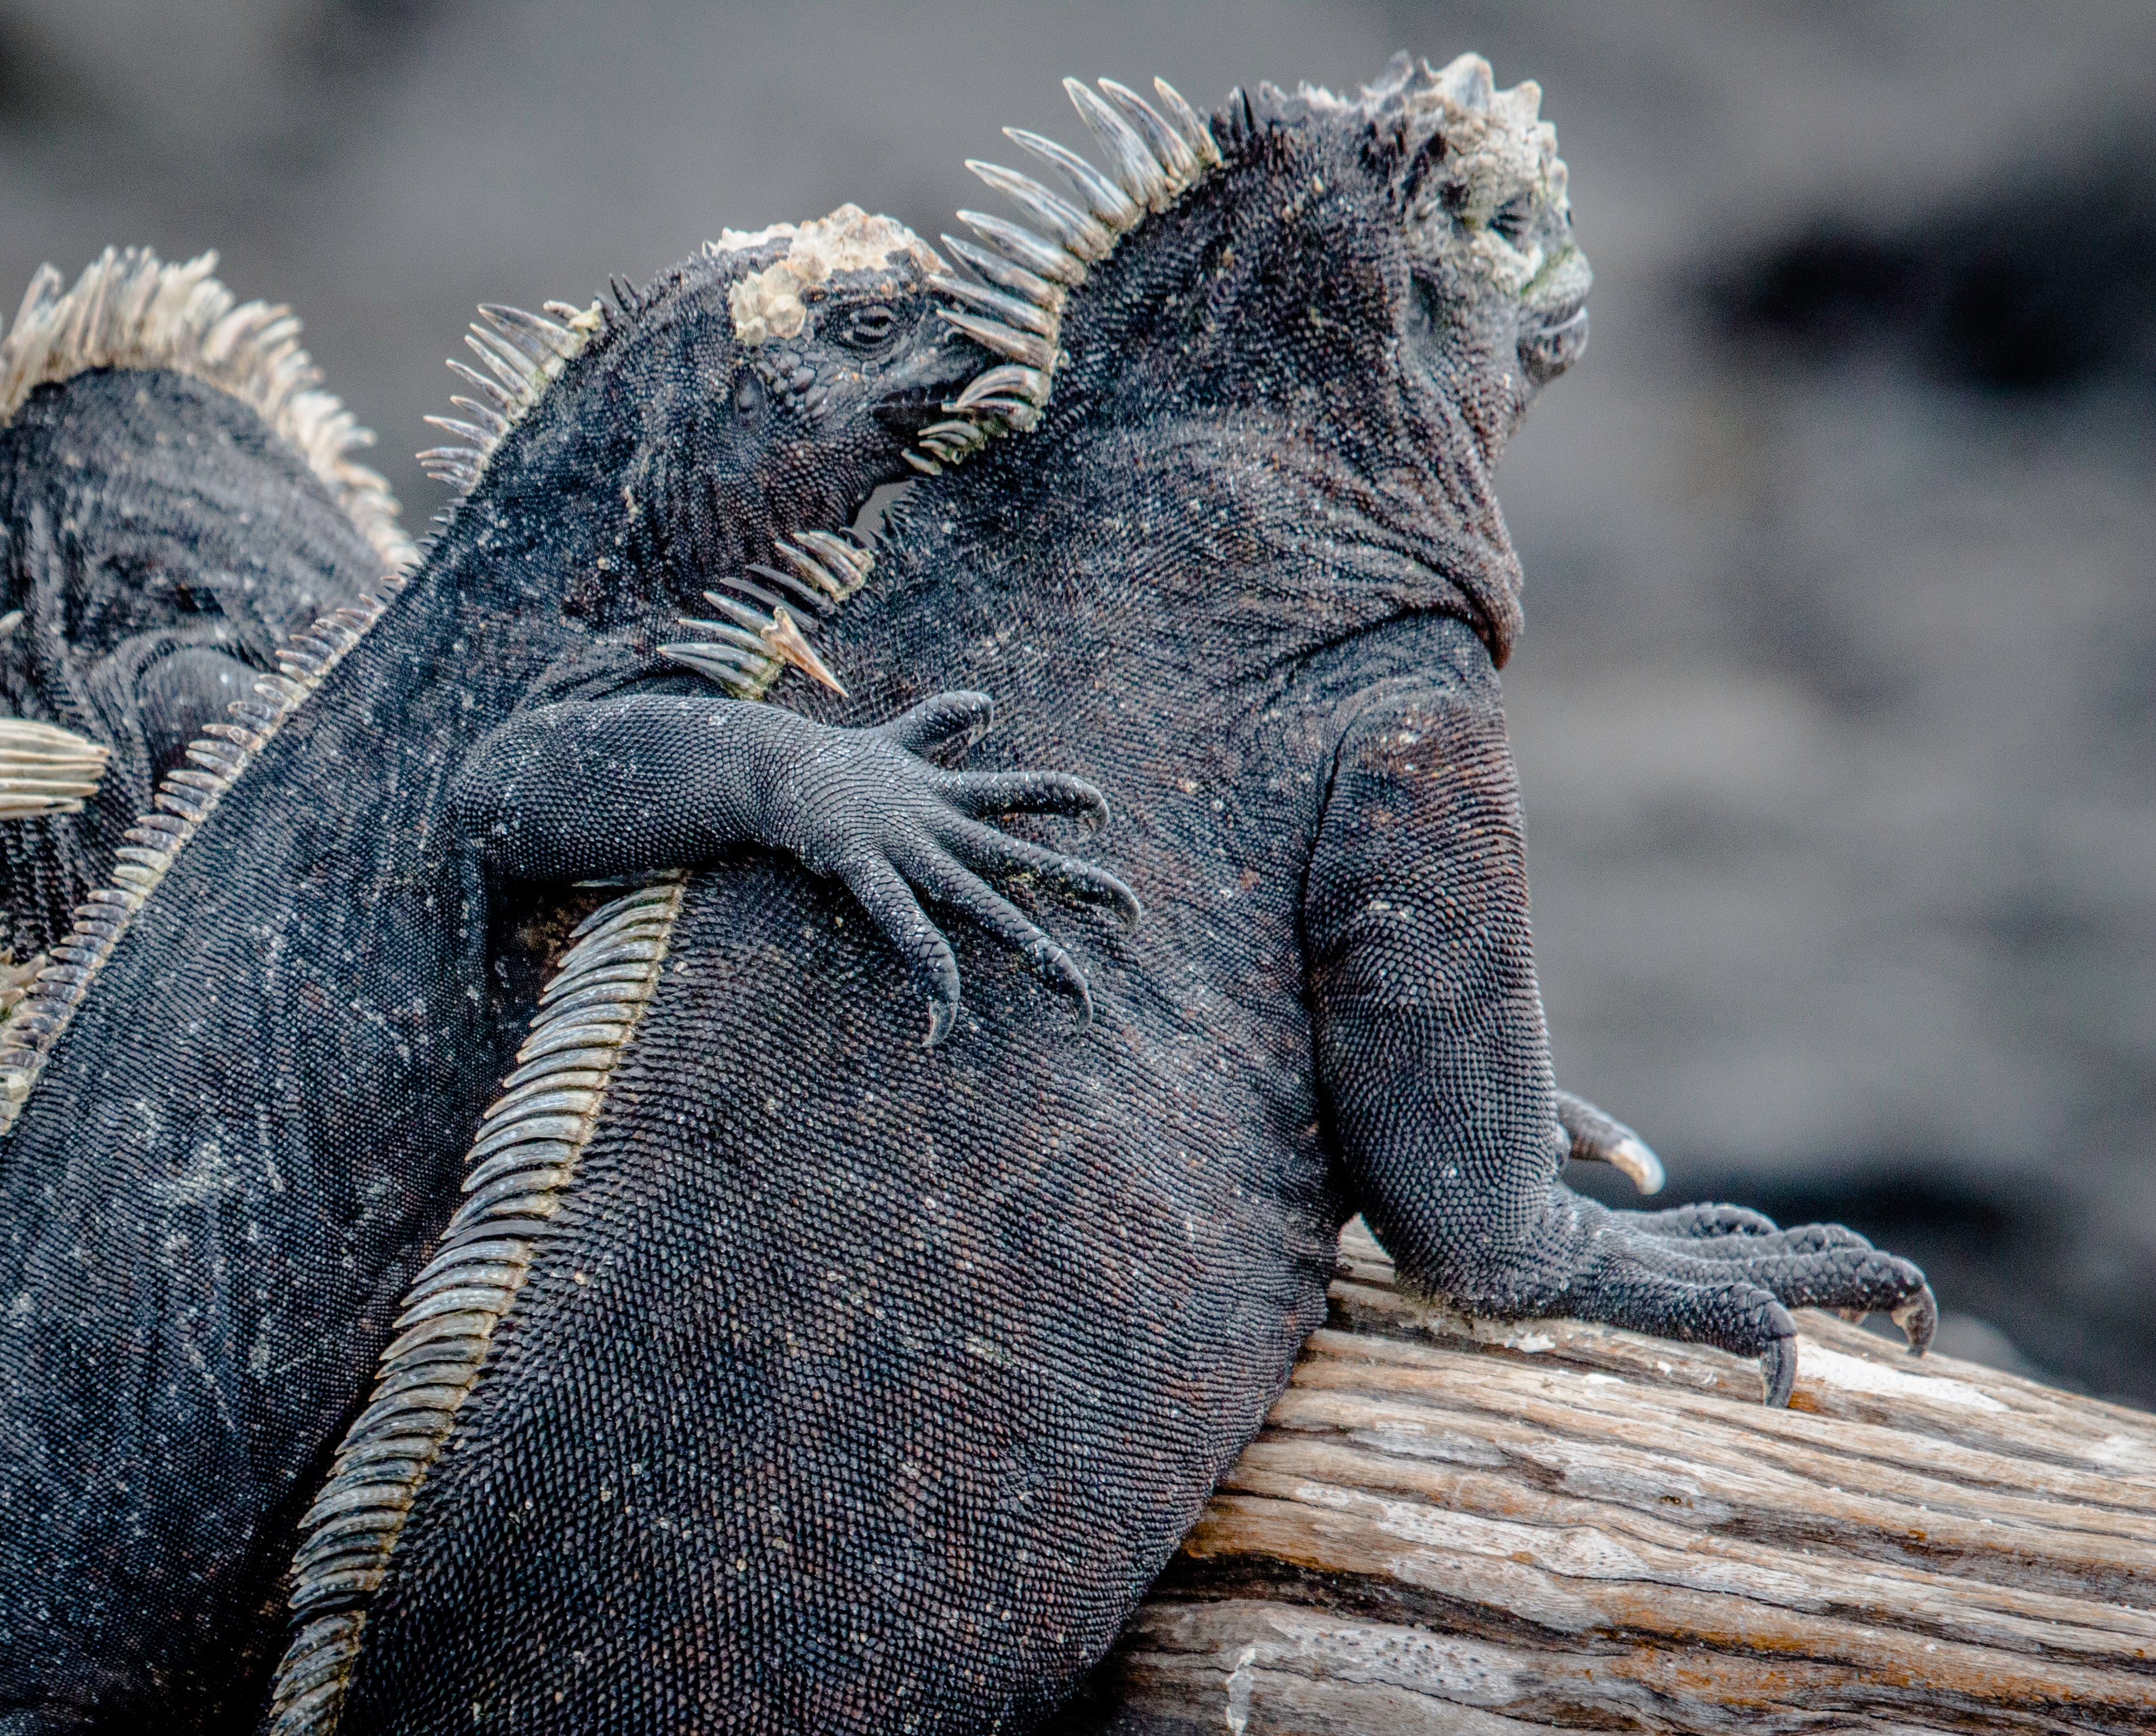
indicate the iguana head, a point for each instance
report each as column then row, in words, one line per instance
column 838, row 343
column 1382, row 282
column 1480, row 190
column 764, row 388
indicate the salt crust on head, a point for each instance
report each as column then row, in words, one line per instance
column 130, row 310
column 1497, row 149
column 767, row 303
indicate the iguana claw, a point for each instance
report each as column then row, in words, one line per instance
column 1918, row 1317
column 1777, row 1367
column 1599, row 1137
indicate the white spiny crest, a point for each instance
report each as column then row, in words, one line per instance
column 1023, row 273
column 523, row 354
column 46, row 769
column 522, row 1163
column 130, row 310
column 750, row 649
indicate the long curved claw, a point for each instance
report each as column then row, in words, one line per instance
column 1777, row 1366
column 889, row 903
column 1633, row 1157
column 1599, row 1137
column 1918, row 1317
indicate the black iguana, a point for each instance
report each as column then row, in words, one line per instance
column 245, row 1084
column 177, row 497
column 781, row 1375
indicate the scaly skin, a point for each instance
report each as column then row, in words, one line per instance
column 241, row 1142
column 849, row 1385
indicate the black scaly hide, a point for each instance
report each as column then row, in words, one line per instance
column 860, row 1387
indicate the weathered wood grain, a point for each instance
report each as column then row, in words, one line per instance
column 1449, row 1526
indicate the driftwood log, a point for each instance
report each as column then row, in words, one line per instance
column 1448, row 1526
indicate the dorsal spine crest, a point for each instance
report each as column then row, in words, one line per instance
column 130, row 310
column 522, row 1163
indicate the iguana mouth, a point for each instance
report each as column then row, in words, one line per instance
column 1555, row 342
column 913, row 394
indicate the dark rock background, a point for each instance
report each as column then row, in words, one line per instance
column 1837, row 709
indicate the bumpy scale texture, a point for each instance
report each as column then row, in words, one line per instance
column 244, row 1091
column 856, row 1386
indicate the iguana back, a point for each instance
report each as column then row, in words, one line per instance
column 177, row 498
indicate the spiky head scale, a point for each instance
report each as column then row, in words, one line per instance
column 1480, row 176
column 769, row 303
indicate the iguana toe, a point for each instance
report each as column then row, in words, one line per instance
column 1702, row 1222
column 985, row 850
column 946, row 717
column 1735, row 1290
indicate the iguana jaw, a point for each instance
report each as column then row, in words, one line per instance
column 915, row 393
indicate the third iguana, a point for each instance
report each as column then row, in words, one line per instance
column 177, row 497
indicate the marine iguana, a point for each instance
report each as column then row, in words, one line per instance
column 261, row 1051
column 177, row 497
column 868, row 1393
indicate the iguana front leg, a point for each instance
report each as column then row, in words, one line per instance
column 1433, row 1056
column 585, row 788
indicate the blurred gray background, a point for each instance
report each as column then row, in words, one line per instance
column 1836, row 710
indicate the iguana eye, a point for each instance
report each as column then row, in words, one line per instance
column 748, row 397
column 871, row 325
column 1512, row 219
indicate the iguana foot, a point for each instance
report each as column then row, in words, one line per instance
column 921, row 835
column 1721, row 1276
column 1704, row 1275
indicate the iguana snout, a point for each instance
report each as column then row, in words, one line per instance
column 915, row 387
column 1547, row 347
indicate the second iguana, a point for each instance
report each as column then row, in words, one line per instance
column 241, row 1089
